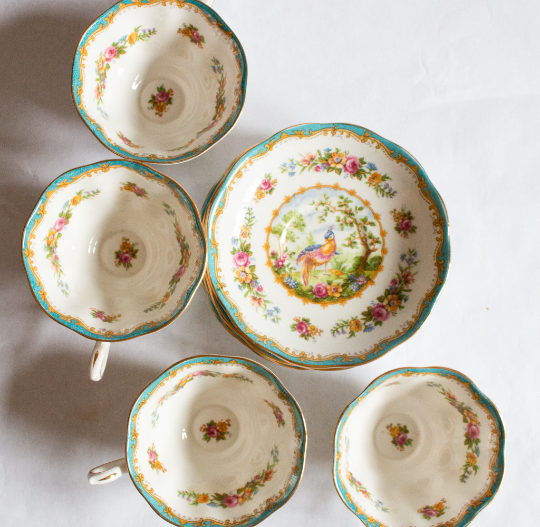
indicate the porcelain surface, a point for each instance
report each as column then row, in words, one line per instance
column 159, row 81
column 419, row 447
column 114, row 250
column 216, row 440
column 325, row 237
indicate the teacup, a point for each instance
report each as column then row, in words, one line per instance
column 419, row 447
column 213, row 441
column 159, row 81
column 113, row 250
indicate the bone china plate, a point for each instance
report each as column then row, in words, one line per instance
column 421, row 447
column 328, row 245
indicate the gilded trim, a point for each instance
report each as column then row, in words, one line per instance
column 271, row 504
column 215, row 204
column 496, row 468
column 37, row 215
column 101, row 23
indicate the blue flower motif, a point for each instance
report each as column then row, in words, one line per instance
column 409, row 260
column 269, row 312
column 368, row 328
column 371, row 166
column 277, row 310
column 403, row 256
column 355, row 286
column 293, row 284
column 393, row 288
column 415, row 254
column 327, row 149
column 406, row 298
column 353, row 277
column 234, row 240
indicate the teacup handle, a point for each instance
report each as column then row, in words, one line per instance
column 100, row 354
column 107, row 472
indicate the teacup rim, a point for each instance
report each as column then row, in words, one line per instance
column 443, row 256
column 209, row 359
column 498, row 466
column 95, row 128
column 72, row 323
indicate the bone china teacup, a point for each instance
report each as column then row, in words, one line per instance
column 113, row 251
column 159, row 81
column 213, row 441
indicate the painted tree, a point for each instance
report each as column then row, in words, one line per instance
column 349, row 215
column 288, row 228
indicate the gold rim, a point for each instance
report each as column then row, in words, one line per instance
column 241, row 103
column 197, row 282
column 500, row 433
column 301, row 460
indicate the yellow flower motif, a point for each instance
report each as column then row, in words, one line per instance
column 259, row 194
column 471, row 458
column 222, row 426
column 374, row 179
column 355, row 326
column 334, row 290
column 337, row 160
column 245, row 495
column 394, row 431
column 75, row 200
column 439, row 506
column 243, row 274
column 160, row 107
column 101, row 64
column 202, row 498
column 166, row 297
column 313, row 330
column 244, row 232
column 392, row 302
column 132, row 38
column 51, row 237
column 125, row 247
column 471, row 417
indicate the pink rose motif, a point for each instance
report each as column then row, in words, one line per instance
column 180, row 272
column 279, row 415
column 59, row 224
column 196, row 36
column 273, row 253
column 379, row 312
column 352, row 164
column 401, row 439
column 240, row 259
column 230, row 501
column 318, row 168
column 279, row 264
column 125, row 258
column 109, row 53
column 100, row 315
column 473, row 431
column 260, row 288
column 302, row 328
column 138, row 190
column 430, row 512
column 198, row 373
column 152, row 457
column 394, row 281
column 320, row 290
column 405, row 224
column 266, row 184
column 212, row 431
column 162, row 96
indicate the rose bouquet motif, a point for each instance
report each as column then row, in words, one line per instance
column 160, row 100
column 265, row 188
column 190, row 31
column 278, row 414
column 305, row 328
column 126, row 253
column 133, row 187
column 241, row 496
column 404, row 222
column 109, row 319
column 433, row 511
column 153, row 460
column 218, row 431
column 400, row 436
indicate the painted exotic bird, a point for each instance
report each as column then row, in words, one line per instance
column 316, row 255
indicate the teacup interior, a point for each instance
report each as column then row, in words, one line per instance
column 226, row 439
column 161, row 80
column 118, row 249
column 418, row 448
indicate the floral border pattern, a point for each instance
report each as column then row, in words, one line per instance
column 114, row 51
column 55, row 233
column 109, row 319
column 242, row 495
column 185, row 256
column 188, row 378
column 153, row 460
column 125, row 140
column 472, row 432
column 133, row 187
column 378, row 504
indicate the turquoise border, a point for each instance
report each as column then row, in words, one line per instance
column 398, row 153
column 498, row 467
column 73, row 324
column 76, row 83
column 209, row 359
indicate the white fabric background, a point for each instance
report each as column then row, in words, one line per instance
column 455, row 83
